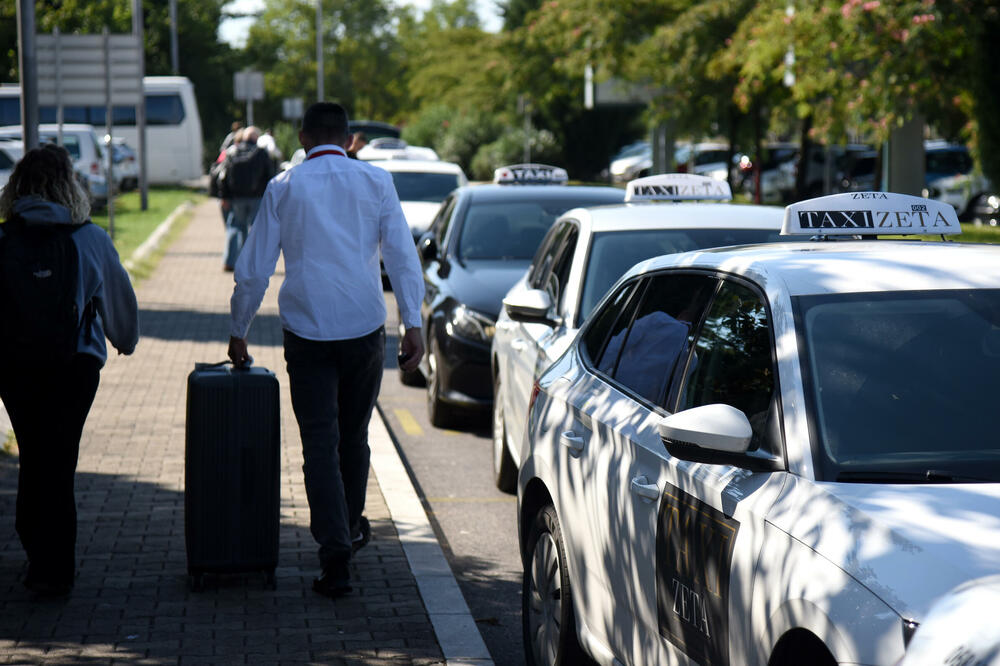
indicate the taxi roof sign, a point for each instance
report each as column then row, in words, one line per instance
column 530, row 174
column 869, row 213
column 678, row 187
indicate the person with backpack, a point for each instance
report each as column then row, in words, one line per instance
column 62, row 290
column 248, row 168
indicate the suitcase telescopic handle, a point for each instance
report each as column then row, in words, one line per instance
column 210, row 366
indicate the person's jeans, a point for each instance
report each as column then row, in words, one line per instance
column 48, row 405
column 242, row 211
column 334, row 385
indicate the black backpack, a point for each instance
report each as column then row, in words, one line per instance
column 39, row 272
column 247, row 171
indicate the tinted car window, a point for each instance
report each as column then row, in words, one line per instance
column 660, row 333
column 5, row 161
column 70, row 142
column 607, row 360
column 164, row 110
column 556, row 280
column 443, row 219
column 613, row 253
column 615, row 316
column 900, row 385
column 417, row 186
column 732, row 362
column 546, row 255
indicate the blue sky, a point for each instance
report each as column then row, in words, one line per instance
column 234, row 30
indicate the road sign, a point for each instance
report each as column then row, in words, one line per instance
column 291, row 108
column 72, row 70
column 248, row 86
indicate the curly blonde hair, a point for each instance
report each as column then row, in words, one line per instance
column 46, row 172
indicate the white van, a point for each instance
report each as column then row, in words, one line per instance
column 173, row 126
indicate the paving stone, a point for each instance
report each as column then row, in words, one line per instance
column 131, row 603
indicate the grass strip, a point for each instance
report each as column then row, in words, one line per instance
column 134, row 225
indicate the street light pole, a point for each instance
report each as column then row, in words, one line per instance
column 320, row 94
column 174, row 60
column 28, row 66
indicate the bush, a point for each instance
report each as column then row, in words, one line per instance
column 466, row 133
column 509, row 149
column 429, row 127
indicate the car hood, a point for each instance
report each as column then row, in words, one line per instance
column 482, row 284
column 419, row 214
column 909, row 544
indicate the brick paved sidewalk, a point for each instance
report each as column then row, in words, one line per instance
column 131, row 603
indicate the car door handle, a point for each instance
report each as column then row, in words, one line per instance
column 644, row 489
column 518, row 344
column 572, row 441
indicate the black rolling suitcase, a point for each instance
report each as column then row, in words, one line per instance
column 231, row 472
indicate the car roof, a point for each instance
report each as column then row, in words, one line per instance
column 851, row 266
column 491, row 192
column 418, row 166
column 637, row 216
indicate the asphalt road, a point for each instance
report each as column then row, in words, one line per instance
column 476, row 524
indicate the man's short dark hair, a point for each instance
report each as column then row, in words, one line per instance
column 326, row 122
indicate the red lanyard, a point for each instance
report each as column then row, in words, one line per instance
column 326, row 152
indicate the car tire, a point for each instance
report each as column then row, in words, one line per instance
column 439, row 413
column 548, row 621
column 504, row 469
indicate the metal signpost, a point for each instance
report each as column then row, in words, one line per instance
column 249, row 86
column 91, row 70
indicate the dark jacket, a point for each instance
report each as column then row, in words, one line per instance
column 247, row 170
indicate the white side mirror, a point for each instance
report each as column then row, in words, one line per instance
column 715, row 427
column 529, row 305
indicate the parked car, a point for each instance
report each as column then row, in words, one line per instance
column 584, row 253
column 389, row 148
column 125, row 162
column 950, row 175
column 422, row 185
column 84, row 148
column 631, row 162
column 771, row 454
column 479, row 244
column 11, row 153
column 986, row 209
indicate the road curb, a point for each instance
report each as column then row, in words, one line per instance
column 153, row 242
column 455, row 629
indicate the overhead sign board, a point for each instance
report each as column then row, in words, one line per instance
column 248, row 86
column 72, row 70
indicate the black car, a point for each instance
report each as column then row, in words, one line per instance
column 479, row 244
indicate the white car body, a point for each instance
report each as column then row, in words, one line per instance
column 420, row 206
column 522, row 350
column 671, row 560
column 85, row 150
column 11, row 153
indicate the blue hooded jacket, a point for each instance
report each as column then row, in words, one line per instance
column 102, row 280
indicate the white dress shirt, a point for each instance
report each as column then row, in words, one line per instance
column 330, row 215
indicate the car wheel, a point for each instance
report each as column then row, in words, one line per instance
column 440, row 414
column 504, row 470
column 547, row 616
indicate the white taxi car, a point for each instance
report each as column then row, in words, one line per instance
column 422, row 185
column 778, row 454
column 583, row 254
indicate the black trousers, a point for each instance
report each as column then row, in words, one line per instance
column 48, row 405
column 334, row 385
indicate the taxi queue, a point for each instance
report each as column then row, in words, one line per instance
column 737, row 434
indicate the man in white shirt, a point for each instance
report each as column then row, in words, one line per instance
column 331, row 216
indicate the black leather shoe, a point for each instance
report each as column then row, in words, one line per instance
column 335, row 581
column 47, row 588
column 364, row 535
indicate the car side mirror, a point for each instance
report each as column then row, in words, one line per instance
column 715, row 434
column 428, row 248
column 529, row 306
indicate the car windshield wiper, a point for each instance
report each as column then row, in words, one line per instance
column 927, row 476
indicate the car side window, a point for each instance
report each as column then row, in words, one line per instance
column 609, row 322
column 732, row 362
column 558, row 276
column 546, row 255
column 661, row 333
column 440, row 223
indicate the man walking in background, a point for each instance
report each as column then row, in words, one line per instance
column 331, row 216
column 247, row 169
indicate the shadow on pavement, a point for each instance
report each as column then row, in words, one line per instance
column 195, row 326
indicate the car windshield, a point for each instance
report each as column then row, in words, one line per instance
column 614, row 252
column 422, row 186
column 949, row 162
column 901, row 385
column 514, row 228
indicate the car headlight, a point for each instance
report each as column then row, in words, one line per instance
column 466, row 323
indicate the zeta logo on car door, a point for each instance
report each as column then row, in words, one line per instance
column 694, row 551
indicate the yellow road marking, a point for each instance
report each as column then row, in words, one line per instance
column 409, row 424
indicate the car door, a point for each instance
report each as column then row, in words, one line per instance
column 529, row 340
column 691, row 532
